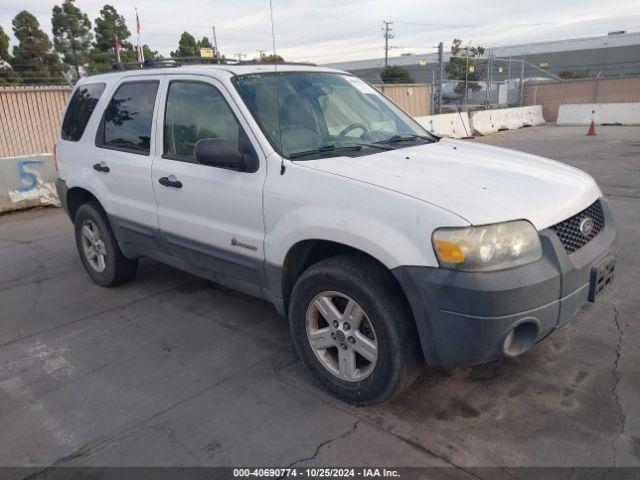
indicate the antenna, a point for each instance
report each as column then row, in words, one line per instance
column 273, row 33
column 275, row 68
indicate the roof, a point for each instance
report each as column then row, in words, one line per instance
column 223, row 70
column 517, row 50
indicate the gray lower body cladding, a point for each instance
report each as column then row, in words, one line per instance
column 62, row 189
column 463, row 318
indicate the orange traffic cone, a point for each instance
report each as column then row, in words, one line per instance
column 592, row 129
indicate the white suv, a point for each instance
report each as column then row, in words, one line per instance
column 384, row 245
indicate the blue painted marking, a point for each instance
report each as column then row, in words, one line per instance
column 29, row 179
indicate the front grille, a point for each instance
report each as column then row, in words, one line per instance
column 569, row 230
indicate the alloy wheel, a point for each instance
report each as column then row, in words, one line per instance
column 341, row 336
column 93, row 246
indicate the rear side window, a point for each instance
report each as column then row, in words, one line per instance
column 126, row 124
column 79, row 111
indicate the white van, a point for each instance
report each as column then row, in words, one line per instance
column 386, row 247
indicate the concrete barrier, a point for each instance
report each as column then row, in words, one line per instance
column 491, row 121
column 600, row 113
column 27, row 182
column 453, row 125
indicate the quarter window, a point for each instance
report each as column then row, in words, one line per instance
column 79, row 111
column 195, row 111
column 128, row 117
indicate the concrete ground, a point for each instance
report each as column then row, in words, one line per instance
column 174, row 370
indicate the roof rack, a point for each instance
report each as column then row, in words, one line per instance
column 161, row 62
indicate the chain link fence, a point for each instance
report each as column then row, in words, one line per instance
column 482, row 83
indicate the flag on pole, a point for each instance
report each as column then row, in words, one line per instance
column 117, row 46
column 139, row 49
column 140, row 54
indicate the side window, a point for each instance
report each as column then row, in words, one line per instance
column 79, row 111
column 195, row 111
column 126, row 124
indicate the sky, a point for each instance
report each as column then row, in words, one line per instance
column 325, row 31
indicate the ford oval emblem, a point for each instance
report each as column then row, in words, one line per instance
column 586, row 226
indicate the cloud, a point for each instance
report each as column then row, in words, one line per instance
column 333, row 30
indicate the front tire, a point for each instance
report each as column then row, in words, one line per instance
column 353, row 330
column 98, row 248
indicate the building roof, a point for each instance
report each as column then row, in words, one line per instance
column 517, row 50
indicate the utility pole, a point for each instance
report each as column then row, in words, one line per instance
column 432, row 103
column 509, row 78
column 488, row 83
column 261, row 53
column 522, row 83
column 439, row 79
column 215, row 41
column 466, row 74
column 387, row 36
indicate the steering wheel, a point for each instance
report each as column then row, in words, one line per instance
column 353, row 126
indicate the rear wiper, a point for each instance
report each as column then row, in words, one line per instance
column 403, row 138
column 330, row 148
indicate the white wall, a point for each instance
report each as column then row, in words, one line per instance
column 27, row 182
column 600, row 113
column 452, row 125
column 491, row 121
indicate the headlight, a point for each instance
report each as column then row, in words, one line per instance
column 487, row 247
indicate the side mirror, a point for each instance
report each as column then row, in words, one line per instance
column 220, row 152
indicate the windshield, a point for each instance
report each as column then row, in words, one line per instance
column 312, row 115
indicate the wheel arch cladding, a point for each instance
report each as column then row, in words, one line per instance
column 306, row 253
column 77, row 196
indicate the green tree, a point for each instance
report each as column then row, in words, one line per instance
column 204, row 43
column 33, row 59
column 7, row 73
column 108, row 26
column 148, row 53
column 72, row 35
column 461, row 66
column 4, row 46
column 396, row 74
column 187, row 47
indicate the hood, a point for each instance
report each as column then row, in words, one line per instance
column 481, row 183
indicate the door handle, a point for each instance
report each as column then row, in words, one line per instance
column 101, row 167
column 170, row 181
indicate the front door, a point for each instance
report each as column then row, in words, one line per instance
column 209, row 217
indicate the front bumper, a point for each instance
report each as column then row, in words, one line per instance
column 463, row 318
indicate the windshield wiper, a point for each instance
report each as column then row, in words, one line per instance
column 404, row 138
column 332, row 147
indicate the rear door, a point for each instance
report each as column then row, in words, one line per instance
column 123, row 157
column 213, row 219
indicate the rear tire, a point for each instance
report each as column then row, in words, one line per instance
column 99, row 251
column 383, row 339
